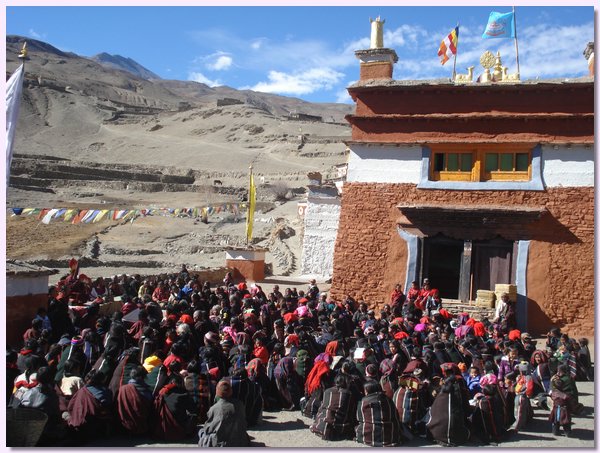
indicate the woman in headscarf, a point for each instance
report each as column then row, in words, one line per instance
column 448, row 416
column 389, row 377
column 249, row 393
column 226, row 422
column 336, row 417
column 197, row 384
column 566, row 400
column 378, row 421
column 541, row 378
column 303, row 364
column 288, row 383
column 319, row 379
column 488, row 417
column 129, row 361
column 523, row 391
column 411, row 401
column 257, row 372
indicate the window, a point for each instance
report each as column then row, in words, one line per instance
column 485, row 162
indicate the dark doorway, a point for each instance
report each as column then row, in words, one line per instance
column 441, row 264
column 492, row 263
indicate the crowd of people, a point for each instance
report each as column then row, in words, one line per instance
column 185, row 358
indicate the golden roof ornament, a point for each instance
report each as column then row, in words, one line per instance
column 23, row 53
column 487, row 60
column 377, row 33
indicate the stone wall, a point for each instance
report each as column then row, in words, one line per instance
column 320, row 230
column 370, row 257
column 20, row 310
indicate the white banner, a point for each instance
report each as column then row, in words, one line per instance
column 14, row 88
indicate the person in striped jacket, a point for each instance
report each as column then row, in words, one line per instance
column 378, row 421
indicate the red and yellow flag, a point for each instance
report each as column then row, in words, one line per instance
column 448, row 46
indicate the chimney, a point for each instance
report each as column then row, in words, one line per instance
column 377, row 62
column 588, row 53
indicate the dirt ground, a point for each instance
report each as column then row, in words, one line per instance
column 291, row 429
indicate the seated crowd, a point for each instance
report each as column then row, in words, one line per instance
column 184, row 358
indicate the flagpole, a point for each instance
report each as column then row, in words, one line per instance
column 454, row 68
column 516, row 42
column 249, row 205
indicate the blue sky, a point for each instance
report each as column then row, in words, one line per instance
column 306, row 52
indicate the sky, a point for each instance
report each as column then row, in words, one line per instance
column 307, row 51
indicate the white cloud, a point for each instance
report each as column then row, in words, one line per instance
column 258, row 43
column 36, row 35
column 300, row 83
column 343, row 97
column 545, row 51
column 201, row 78
column 222, row 63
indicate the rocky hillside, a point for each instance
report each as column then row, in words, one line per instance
column 93, row 136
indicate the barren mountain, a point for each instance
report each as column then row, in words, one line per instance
column 90, row 135
column 125, row 64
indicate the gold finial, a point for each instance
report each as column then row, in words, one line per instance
column 487, row 59
column 377, row 33
column 23, row 53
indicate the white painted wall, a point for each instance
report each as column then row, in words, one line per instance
column 384, row 164
column 245, row 255
column 320, row 230
column 568, row 167
column 24, row 286
column 561, row 167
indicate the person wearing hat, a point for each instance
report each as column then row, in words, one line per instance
column 524, row 384
column 226, row 421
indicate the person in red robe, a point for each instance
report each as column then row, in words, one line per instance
column 135, row 403
column 89, row 410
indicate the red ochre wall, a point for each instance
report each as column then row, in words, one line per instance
column 253, row 271
column 370, row 256
column 20, row 310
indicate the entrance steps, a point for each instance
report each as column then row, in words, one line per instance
column 455, row 306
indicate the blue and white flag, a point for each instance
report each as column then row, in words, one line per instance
column 14, row 87
column 500, row 25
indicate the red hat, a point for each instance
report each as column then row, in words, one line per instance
column 242, row 286
column 303, row 300
column 400, row 335
column 445, row 313
column 514, row 334
column 290, row 317
column 187, row 319
column 479, row 329
column 292, row 339
column 247, row 296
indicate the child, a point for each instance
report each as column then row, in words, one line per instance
column 565, row 396
column 473, row 381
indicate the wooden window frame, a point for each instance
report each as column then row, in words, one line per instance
column 478, row 173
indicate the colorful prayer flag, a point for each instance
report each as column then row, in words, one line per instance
column 500, row 25
column 448, row 46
